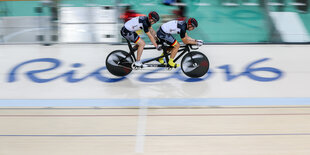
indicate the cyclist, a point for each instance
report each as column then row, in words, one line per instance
column 138, row 23
column 177, row 27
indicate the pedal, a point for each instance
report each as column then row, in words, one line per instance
column 133, row 66
column 136, row 68
column 171, row 67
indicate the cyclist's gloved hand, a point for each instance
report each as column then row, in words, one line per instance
column 199, row 42
column 159, row 47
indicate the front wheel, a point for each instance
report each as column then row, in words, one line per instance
column 119, row 63
column 195, row 64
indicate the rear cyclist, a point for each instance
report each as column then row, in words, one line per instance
column 177, row 27
column 138, row 23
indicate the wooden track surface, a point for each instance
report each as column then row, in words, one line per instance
column 155, row 131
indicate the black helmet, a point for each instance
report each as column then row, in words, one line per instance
column 154, row 15
column 193, row 22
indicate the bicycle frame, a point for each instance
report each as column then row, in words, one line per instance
column 194, row 64
column 183, row 49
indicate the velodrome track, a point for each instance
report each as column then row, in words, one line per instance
column 235, row 110
column 156, row 130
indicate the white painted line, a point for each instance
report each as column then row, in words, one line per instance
column 250, row 4
column 154, row 102
column 141, row 126
column 179, row 4
column 275, row 4
column 297, row 4
column 202, row 4
column 230, row 4
column 123, row 4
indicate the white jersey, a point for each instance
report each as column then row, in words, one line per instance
column 175, row 27
column 171, row 27
column 138, row 23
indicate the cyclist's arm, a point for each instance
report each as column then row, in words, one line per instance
column 152, row 32
column 151, row 38
column 188, row 40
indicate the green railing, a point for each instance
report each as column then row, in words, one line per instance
column 222, row 21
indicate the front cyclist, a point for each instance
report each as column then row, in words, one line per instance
column 138, row 23
column 177, row 27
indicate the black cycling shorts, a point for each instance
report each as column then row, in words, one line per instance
column 131, row 36
column 166, row 37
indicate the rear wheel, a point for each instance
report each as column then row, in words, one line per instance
column 195, row 64
column 119, row 63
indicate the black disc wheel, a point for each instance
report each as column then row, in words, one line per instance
column 195, row 64
column 119, row 63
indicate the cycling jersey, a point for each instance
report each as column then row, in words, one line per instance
column 175, row 27
column 138, row 23
column 128, row 31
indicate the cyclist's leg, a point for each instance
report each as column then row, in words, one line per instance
column 135, row 47
column 175, row 47
column 141, row 45
column 131, row 36
column 174, row 52
column 167, row 38
column 134, row 37
column 161, row 60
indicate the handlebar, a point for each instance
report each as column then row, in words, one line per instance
column 191, row 47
